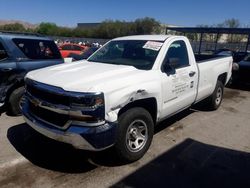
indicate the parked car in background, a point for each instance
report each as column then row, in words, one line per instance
column 117, row 96
column 241, row 71
column 224, row 52
column 19, row 54
column 83, row 55
column 239, row 56
column 69, row 48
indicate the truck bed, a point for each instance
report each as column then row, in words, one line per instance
column 201, row 58
column 209, row 66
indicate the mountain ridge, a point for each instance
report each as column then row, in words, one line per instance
column 27, row 25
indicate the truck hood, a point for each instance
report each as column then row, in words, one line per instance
column 84, row 76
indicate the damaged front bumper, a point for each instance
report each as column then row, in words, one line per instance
column 74, row 118
column 93, row 138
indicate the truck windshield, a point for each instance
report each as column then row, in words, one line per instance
column 138, row 53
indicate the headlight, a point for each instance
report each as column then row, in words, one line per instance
column 87, row 101
column 235, row 67
column 90, row 109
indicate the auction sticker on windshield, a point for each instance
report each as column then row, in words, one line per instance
column 153, row 45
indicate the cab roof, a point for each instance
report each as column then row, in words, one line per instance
column 145, row 37
column 11, row 35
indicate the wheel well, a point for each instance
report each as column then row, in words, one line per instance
column 149, row 104
column 223, row 78
column 16, row 85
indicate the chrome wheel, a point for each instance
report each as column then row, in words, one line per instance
column 137, row 135
column 218, row 96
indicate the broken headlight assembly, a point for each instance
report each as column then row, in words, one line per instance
column 87, row 101
column 91, row 108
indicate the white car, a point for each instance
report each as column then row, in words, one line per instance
column 122, row 91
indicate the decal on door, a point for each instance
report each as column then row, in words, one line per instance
column 180, row 82
column 180, row 88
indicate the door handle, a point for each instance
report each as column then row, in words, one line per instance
column 6, row 69
column 192, row 73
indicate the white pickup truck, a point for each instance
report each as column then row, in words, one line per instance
column 117, row 96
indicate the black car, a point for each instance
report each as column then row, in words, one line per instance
column 241, row 71
column 239, row 56
column 224, row 52
column 19, row 54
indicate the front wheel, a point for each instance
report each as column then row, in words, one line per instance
column 135, row 133
column 216, row 98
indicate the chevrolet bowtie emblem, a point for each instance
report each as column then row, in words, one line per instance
column 35, row 102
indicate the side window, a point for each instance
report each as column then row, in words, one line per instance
column 178, row 52
column 38, row 49
column 3, row 53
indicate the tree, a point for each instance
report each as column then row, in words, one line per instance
column 112, row 29
column 117, row 28
column 13, row 27
column 231, row 23
column 107, row 29
column 147, row 26
column 47, row 28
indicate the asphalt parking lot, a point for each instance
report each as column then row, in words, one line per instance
column 196, row 148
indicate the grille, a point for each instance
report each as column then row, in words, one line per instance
column 52, row 117
column 54, row 98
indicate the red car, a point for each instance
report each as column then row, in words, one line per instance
column 69, row 48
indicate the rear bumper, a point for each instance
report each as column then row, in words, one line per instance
column 93, row 138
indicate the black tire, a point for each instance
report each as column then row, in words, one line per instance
column 214, row 101
column 14, row 107
column 127, row 121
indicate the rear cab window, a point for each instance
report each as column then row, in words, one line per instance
column 3, row 53
column 35, row 49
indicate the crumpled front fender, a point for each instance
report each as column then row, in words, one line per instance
column 119, row 99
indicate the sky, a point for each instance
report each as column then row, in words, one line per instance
column 174, row 12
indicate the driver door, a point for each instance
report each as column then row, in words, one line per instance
column 179, row 79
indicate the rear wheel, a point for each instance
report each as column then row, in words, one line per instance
column 15, row 101
column 216, row 98
column 135, row 133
